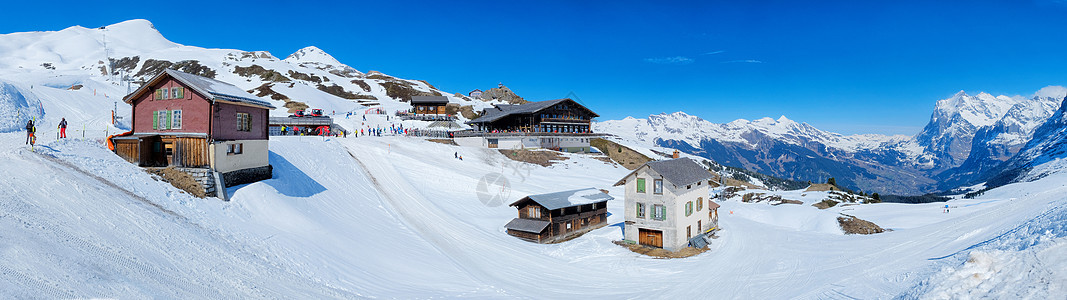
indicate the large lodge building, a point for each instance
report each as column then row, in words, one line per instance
column 560, row 124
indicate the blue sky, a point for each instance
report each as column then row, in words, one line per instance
column 849, row 67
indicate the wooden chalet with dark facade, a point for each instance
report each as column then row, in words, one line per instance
column 200, row 125
column 552, row 116
column 429, row 105
column 549, row 218
column 560, row 124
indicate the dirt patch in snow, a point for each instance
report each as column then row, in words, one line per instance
column 622, row 155
column 854, row 225
column 180, row 180
column 542, row 158
column 825, row 204
column 444, row 141
column 660, row 252
column 294, row 106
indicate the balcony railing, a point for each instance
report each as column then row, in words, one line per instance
column 511, row 134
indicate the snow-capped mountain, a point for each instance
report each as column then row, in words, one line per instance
column 1044, row 154
column 108, row 60
column 992, row 145
column 782, row 148
column 966, row 136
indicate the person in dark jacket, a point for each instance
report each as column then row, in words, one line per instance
column 29, row 131
column 63, row 128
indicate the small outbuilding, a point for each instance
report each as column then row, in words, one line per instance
column 555, row 217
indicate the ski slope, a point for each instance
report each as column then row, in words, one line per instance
column 401, row 217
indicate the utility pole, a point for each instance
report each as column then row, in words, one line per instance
column 107, row 56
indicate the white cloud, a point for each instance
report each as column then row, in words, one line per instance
column 750, row 61
column 714, row 52
column 674, row 60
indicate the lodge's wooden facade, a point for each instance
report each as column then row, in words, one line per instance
column 545, row 220
column 164, row 151
column 429, row 105
column 552, row 116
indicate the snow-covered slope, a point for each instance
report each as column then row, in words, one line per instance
column 399, row 217
column 107, row 60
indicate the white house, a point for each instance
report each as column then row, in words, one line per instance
column 667, row 204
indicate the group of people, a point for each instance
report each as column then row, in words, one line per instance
column 31, row 131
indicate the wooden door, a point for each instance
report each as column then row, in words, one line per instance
column 652, row 238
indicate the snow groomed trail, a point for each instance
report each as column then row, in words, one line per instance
column 401, row 218
column 70, row 234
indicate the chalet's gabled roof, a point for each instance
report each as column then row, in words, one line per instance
column 678, row 171
column 439, row 100
column 500, row 111
column 211, row 89
column 527, row 225
column 570, row 198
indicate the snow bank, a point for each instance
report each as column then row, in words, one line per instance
column 16, row 108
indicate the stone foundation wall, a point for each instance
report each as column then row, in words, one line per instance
column 249, row 175
column 204, row 177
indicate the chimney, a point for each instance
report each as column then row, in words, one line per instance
column 675, row 153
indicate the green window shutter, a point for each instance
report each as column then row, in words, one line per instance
column 155, row 120
column 640, row 185
column 159, row 94
column 166, row 121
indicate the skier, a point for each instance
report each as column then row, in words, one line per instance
column 457, row 154
column 63, row 128
column 29, row 131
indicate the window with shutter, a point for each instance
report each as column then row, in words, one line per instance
column 166, row 123
column 659, row 212
column 640, row 185
column 159, row 94
column 166, row 94
column 155, row 120
column 176, row 122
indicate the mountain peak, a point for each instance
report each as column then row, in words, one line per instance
column 131, row 24
column 313, row 54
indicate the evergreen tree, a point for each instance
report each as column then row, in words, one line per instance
column 831, row 181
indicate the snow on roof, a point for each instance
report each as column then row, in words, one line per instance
column 570, row 198
column 217, row 89
column 500, row 111
column 429, row 99
column 527, row 225
column 678, row 171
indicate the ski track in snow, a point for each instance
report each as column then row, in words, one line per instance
column 417, row 200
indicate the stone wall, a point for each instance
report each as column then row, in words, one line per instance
column 204, row 177
column 249, row 175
